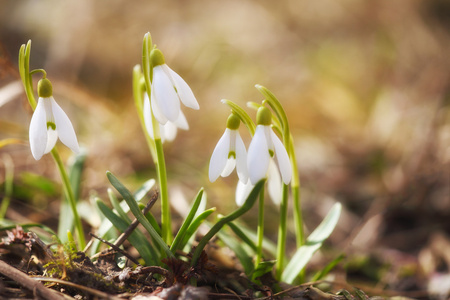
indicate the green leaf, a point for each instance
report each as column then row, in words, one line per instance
column 105, row 228
column 128, row 197
column 117, row 206
column 136, row 238
column 249, row 237
column 195, row 225
column 263, row 268
column 322, row 273
column 248, row 204
column 176, row 244
column 313, row 243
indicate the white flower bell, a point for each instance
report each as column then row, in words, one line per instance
column 48, row 123
column 265, row 145
column 229, row 153
column 168, row 131
column 167, row 90
column 275, row 189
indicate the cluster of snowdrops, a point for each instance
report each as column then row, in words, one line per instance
column 269, row 163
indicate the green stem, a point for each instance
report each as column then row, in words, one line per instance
column 69, row 194
column 296, row 195
column 248, row 204
column 282, row 233
column 260, row 230
column 166, row 226
column 138, row 91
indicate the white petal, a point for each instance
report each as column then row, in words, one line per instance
column 241, row 159
column 52, row 138
column 38, row 131
column 164, row 93
column 148, row 116
column 229, row 167
column 184, row 91
column 274, row 183
column 243, row 191
column 64, row 127
column 219, row 157
column 258, row 156
column 284, row 163
column 156, row 111
column 168, row 131
column 181, row 122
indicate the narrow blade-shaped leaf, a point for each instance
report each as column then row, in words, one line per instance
column 313, row 243
column 128, row 197
column 187, row 222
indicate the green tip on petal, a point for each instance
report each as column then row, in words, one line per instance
column 263, row 116
column 45, row 89
column 233, row 122
column 156, row 57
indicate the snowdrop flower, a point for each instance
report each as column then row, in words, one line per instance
column 274, row 186
column 48, row 123
column 167, row 90
column 168, row 131
column 229, row 153
column 264, row 146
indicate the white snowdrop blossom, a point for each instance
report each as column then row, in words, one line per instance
column 48, row 123
column 167, row 90
column 168, row 131
column 275, row 189
column 264, row 146
column 229, row 153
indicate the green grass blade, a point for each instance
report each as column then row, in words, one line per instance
column 247, row 234
column 246, row 239
column 136, row 238
column 116, row 204
column 322, row 273
column 313, row 243
column 248, row 204
column 128, row 197
column 176, row 244
column 195, row 225
column 105, row 228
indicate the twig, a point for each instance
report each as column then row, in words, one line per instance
column 92, row 291
column 24, row 280
column 135, row 222
column 116, row 248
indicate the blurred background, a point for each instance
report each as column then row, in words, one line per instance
column 365, row 85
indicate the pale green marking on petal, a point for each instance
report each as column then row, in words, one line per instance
column 51, row 125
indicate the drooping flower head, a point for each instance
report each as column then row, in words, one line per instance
column 167, row 90
column 48, row 123
column 168, row 131
column 229, row 153
column 264, row 146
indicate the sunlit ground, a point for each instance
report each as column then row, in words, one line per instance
column 365, row 85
